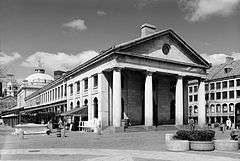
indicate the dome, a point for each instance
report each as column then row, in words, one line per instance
column 39, row 77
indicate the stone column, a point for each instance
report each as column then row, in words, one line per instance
column 179, row 101
column 117, row 98
column 202, row 104
column 148, row 100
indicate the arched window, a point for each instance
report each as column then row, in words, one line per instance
column 71, row 105
column 78, row 104
column 218, row 108
column 195, row 109
column 85, row 102
column 207, row 108
column 95, row 106
column 224, row 108
column 190, row 111
column 212, row 107
column 231, row 107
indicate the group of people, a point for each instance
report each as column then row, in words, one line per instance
column 61, row 127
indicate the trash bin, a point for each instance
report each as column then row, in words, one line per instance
column 58, row 132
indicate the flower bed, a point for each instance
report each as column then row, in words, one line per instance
column 199, row 139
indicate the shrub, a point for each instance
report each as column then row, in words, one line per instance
column 197, row 135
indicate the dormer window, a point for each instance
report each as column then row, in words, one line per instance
column 227, row 69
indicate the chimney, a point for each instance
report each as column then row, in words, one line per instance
column 58, row 73
column 229, row 59
column 147, row 29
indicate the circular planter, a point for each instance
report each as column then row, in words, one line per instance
column 177, row 145
column 202, row 145
column 226, row 145
column 169, row 137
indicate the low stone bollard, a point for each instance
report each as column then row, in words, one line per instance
column 226, row 145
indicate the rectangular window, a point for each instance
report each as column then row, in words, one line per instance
column 190, row 90
column 218, row 85
column 65, row 90
column 224, row 95
column 212, row 86
column 238, row 93
column 195, row 89
column 78, row 86
column 58, row 92
column 95, row 81
column 61, row 91
column 238, row 82
column 206, row 87
column 224, row 84
column 206, row 96
column 231, row 94
column 195, row 97
column 212, row 96
column 50, row 95
column 190, row 99
column 55, row 93
column 231, row 106
column 85, row 84
column 224, row 108
column 71, row 89
column 231, row 83
column 218, row 95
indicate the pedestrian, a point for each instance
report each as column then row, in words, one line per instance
column 64, row 128
column 222, row 127
column 192, row 124
column 229, row 124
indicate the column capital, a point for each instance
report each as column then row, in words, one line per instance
column 148, row 73
column 117, row 69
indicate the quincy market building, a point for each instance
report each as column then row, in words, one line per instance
column 144, row 80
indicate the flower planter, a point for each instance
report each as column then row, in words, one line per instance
column 177, row 145
column 226, row 145
column 202, row 145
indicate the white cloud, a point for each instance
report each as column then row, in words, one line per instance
column 5, row 59
column 202, row 9
column 59, row 61
column 101, row 13
column 76, row 24
column 220, row 58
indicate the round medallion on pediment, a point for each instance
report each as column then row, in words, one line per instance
column 166, row 49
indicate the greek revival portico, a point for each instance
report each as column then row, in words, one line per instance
column 148, row 98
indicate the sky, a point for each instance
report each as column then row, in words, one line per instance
column 61, row 34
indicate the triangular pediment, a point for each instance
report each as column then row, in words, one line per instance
column 154, row 46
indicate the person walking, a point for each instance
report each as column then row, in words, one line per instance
column 229, row 124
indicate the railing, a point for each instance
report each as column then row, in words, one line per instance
column 89, row 126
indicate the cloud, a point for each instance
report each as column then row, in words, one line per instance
column 59, row 61
column 5, row 59
column 216, row 59
column 202, row 9
column 76, row 24
column 140, row 4
column 101, row 13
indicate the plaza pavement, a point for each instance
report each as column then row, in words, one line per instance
column 135, row 146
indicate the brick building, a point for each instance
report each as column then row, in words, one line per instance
column 222, row 94
column 144, row 80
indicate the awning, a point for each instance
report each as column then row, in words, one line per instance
column 10, row 115
column 83, row 111
column 44, row 107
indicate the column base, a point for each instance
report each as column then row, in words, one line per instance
column 150, row 128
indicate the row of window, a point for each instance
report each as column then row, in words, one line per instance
column 53, row 94
column 85, row 86
column 222, row 85
column 222, row 95
column 217, row 85
column 225, row 108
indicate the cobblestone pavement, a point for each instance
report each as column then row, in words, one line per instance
column 137, row 146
